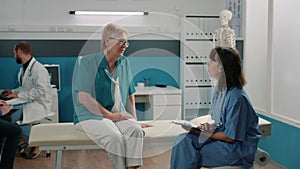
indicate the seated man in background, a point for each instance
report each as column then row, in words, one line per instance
column 34, row 86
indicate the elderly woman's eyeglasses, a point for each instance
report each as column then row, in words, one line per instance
column 121, row 41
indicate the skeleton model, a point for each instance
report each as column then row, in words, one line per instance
column 224, row 36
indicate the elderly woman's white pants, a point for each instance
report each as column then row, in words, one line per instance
column 123, row 140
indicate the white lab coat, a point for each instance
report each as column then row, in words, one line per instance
column 36, row 89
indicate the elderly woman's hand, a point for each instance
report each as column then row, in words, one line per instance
column 119, row 116
column 146, row 125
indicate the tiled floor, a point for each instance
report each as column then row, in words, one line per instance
column 94, row 159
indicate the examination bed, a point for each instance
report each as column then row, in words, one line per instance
column 65, row 136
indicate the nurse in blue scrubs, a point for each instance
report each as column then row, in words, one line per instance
column 232, row 140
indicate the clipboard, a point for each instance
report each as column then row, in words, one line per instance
column 193, row 128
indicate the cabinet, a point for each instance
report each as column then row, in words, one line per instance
column 53, row 116
column 160, row 103
column 196, row 44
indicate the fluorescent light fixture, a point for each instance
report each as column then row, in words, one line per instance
column 107, row 13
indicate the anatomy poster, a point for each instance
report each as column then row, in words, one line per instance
column 236, row 23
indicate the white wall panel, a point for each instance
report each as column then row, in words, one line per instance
column 53, row 16
column 255, row 52
column 285, row 60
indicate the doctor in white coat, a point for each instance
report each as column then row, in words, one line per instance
column 34, row 87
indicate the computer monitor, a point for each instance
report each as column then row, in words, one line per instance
column 54, row 74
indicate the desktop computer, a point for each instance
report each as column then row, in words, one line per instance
column 54, row 74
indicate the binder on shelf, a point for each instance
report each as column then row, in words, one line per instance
column 196, row 83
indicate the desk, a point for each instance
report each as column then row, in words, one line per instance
column 53, row 116
column 160, row 103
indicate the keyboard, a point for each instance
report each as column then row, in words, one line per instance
column 3, row 97
column 16, row 102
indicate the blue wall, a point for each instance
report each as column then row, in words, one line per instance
column 283, row 143
column 164, row 70
column 157, row 60
column 160, row 70
column 8, row 65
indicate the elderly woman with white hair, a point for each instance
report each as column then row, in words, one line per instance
column 224, row 36
column 102, row 87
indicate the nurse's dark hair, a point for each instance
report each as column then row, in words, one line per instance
column 232, row 67
column 23, row 46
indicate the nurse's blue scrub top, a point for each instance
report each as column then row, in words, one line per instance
column 239, row 121
column 90, row 77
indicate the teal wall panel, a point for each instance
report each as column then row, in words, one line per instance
column 282, row 145
column 162, row 71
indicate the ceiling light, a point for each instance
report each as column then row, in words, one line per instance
column 107, row 13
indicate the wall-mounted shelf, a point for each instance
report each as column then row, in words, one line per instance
column 196, row 85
